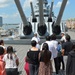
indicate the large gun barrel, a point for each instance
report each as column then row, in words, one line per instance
column 50, row 15
column 56, row 26
column 61, row 12
column 41, row 26
column 34, row 19
column 27, row 29
column 41, row 15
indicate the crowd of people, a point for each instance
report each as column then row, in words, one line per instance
column 52, row 54
column 41, row 59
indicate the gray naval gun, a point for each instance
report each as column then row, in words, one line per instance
column 42, row 21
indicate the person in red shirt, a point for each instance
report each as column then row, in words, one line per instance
column 2, row 63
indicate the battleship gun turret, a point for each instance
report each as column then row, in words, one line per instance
column 27, row 27
column 42, row 21
column 41, row 26
column 56, row 28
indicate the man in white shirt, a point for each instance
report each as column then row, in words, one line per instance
column 50, row 45
column 55, row 52
column 63, row 39
column 37, row 39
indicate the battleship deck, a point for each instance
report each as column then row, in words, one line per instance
column 21, row 46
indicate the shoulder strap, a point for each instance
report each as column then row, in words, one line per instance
column 38, row 49
column 29, row 50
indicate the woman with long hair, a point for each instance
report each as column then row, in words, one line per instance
column 45, row 66
column 11, row 61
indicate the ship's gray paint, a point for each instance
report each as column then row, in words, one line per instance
column 50, row 15
column 32, row 9
column 23, row 17
column 41, row 16
column 58, row 20
column 41, row 13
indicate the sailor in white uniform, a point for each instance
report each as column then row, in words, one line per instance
column 63, row 39
column 37, row 39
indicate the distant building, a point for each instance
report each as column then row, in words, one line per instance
column 71, row 23
column 1, row 22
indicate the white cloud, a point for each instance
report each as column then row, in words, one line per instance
column 14, row 15
column 27, row 3
column 4, row 15
column 58, row 5
column 68, row 2
column 5, row 3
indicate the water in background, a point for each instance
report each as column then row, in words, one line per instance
column 10, row 26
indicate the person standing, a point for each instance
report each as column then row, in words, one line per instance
column 11, row 60
column 55, row 52
column 2, row 45
column 45, row 66
column 37, row 39
column 50, row 45
column 2, row 63
column 70, row 66
column 60, row 56
column 63, row 38
column 66, row 48
column 33, row 61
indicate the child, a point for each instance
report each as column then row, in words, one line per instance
column 2, row 63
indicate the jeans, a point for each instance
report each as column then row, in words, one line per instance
column 12, row 71
column 61, row 61
column 33, row 69
column 56, row 62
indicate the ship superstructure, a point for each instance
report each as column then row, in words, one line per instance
column 42, row 20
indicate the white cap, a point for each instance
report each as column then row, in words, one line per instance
column 35, row 33
column 62, row 33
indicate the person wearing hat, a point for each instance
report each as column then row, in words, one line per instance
column 63, row 39
column 37, row 39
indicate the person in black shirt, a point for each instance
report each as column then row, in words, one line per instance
column 66, row 48
column 32, row 55
column 70, row 66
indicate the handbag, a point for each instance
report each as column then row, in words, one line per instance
column 26, row 67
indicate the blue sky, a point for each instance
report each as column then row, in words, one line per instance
column 10, row 14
